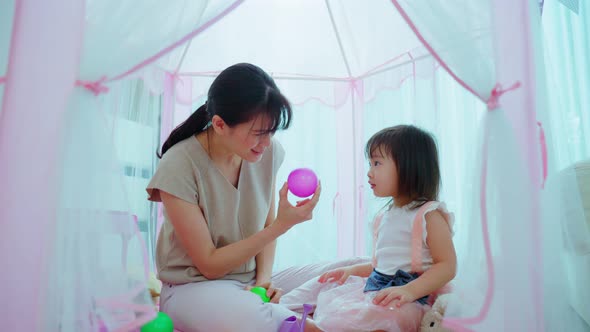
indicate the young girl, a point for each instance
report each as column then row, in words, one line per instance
column 413, row 254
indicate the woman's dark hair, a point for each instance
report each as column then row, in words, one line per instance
column 415, row 154
column 238, row 94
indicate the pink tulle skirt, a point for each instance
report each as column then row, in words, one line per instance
column 346, row 308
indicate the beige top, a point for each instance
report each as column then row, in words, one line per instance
column 232, row 214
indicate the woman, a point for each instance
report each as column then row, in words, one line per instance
column 216, row 180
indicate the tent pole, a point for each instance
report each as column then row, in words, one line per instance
column 188, row 45
column 344, row 58
column 371, row 74
column 287, row 77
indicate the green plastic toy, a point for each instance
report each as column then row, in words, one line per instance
column 260, row 291
column 162, row 323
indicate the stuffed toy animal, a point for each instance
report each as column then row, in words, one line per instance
column 432, row 320
column 155, row 287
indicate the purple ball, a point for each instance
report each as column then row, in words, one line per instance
column 302, row 182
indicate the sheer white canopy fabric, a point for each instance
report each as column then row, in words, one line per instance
column 497, row 62
column 349, row 67
column 283, row 38
column 92, row 178
column 6, row 14
column 31, row 121
column 461, row 36
column 60, row 163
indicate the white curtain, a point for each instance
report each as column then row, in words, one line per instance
column 460, row 33
column 566, row 38
column 31, row 119
column 489, row 46
column 98, row 179
column 134, row 116
column 84, row 213
column 6, row 14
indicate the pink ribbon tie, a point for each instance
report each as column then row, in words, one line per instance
column 494, row 101
column 96, row 87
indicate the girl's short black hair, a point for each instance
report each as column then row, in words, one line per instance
column 415, row 154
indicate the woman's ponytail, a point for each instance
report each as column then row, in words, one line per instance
column 193, row 125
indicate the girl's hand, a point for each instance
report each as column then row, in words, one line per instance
column 273, row 293
column 337, row 275
column 394, row 296
column 290, row 215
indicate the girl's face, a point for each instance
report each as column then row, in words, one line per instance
column 382, row 175
column 249, row 140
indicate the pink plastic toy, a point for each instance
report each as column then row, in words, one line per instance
column 302, row 182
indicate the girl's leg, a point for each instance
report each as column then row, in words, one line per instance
column 311, row 327
column 293, row 277
column 220, row 305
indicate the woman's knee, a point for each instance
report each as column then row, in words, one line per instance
column 238, row 310
column 248, row 318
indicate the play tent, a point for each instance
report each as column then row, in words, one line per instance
column 70, row 69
